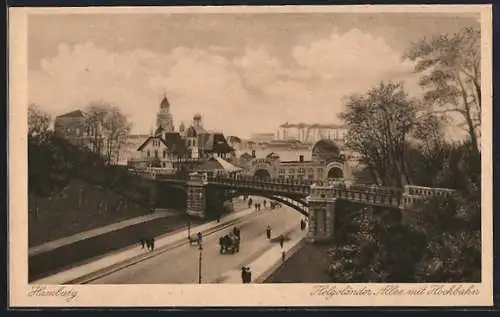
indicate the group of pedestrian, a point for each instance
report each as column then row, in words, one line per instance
column 257, row 206
column 246, row 275
column 149, row 243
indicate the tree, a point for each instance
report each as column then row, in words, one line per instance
column 375, row 249
column 380, row 123
column 108, row 129
column 451, row 75
column 96, row 113
column 116, row 127
column 38, row 122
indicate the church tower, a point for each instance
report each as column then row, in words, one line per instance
column 164, row 119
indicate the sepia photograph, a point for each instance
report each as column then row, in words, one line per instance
column 342, row 151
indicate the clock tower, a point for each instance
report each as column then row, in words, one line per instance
column 164, row 118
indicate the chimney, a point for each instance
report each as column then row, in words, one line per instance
column 301, row 158
column 253, row 154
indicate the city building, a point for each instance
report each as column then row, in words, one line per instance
column 129, row 149
column 235, row 142
column 327, row 162
column 74, row 127
column 165, row 147
column 162, row 150
column 71, row 126
column 262, row 137
column 312, row 133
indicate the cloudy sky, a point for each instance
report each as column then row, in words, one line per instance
column 243, row 72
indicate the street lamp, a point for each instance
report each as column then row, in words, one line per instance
column 189, row 227
column 200, row 248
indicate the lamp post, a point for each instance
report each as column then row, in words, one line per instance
column 200, row 248
column 189, row 227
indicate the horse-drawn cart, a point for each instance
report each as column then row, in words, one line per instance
column 230, row 243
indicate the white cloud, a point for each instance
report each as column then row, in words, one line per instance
column 223, row 90
column 353, row 54
column 258, row 67
column 194, row 80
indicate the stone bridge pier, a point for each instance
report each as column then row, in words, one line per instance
column 321, row 219
column 196, row 195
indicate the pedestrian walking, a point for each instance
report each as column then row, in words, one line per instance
column 302, row 224
column 256, row 206
column 148, row 244
column 282, row 240
column 268, row 232
column 250, row 203
column 265, row 202
column 152, row 243
column 248, row 275
column 142, row 242
column 243, row 275
column 218, row 218
column 200, row 237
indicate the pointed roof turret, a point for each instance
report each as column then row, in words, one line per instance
column 164, row 102
column 182, row 127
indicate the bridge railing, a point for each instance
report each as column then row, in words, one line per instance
column 427, row 191
column 159, row 173
column 258, row 180
column 357, row 195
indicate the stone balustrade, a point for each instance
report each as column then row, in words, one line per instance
column 427, row 191
column 315, row 190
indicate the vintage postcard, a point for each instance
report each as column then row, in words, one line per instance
column 325, row 156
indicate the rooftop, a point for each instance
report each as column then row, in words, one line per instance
column 314, row 125
column 73, row 114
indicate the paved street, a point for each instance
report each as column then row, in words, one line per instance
column 180, row 265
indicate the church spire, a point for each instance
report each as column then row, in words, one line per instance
column 164, row 118
column 165, row 104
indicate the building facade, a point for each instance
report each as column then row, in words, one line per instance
column 262, row 137
column 312, row 133
column 166, row 147
column 74, row 127
column 327, row 162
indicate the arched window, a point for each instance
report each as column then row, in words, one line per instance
column 164, row 154
column 156, row 153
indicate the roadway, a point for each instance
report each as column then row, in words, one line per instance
column 180, row 265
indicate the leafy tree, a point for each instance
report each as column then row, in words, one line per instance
column 451, row 75
column 452, row 227
column 380, row 124
column 38, row 122
column 375, row 249
column 108, row 129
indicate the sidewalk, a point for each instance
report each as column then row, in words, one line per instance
column 136, row 253
column 51, row 245
column 268, row 262
column 159, row 213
